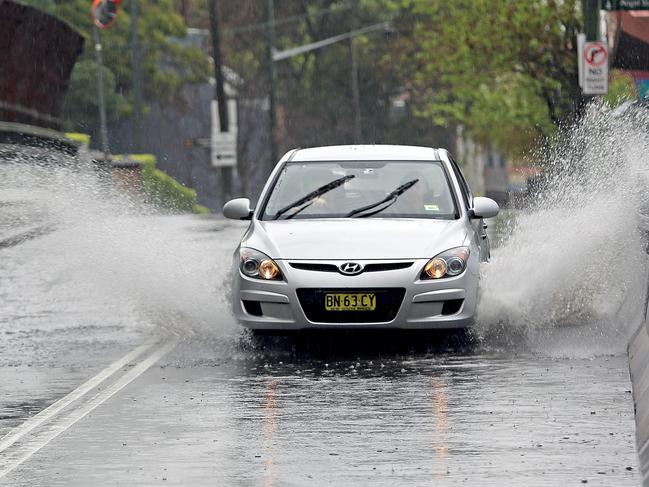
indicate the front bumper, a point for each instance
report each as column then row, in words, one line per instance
column 275, row 305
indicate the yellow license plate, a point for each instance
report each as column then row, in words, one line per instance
column 350, row 302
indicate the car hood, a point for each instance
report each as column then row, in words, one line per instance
column 354, row 238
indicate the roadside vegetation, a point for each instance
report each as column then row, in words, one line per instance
column 158, row 188
column 163, row 191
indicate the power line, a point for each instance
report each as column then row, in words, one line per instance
column 288, row 53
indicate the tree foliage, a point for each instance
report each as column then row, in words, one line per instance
column 621, row 88
column 80, row 110
column 166, row 63
column 505, row 69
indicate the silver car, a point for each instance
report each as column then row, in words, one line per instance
column 361, row 236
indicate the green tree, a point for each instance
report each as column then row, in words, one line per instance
column 166, row 63
column 81, row 108
column 504, row 69
column 621, row 88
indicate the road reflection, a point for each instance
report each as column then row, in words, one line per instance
column 440, row 421
column 269, row 429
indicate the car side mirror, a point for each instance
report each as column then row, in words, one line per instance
column 484, row 208
column 238, row 209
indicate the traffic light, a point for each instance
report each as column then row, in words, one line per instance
column 104, row 12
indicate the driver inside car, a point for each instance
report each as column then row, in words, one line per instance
column 420, row 198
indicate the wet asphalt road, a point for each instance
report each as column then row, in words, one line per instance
column 443, row 420
column 220, row 409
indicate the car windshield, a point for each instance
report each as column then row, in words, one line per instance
column 383, row 189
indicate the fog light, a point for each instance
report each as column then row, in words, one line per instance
column 436, row 268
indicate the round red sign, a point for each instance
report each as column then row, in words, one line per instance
column 595, row 53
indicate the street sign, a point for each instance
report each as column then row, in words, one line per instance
column 595, row 68
column 625, row 5
column 224, row 144
column 104, row 12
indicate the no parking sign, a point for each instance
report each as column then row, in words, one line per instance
column 594, row 66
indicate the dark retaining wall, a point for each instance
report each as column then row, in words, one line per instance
column 37, row 54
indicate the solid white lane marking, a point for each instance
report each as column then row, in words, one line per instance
column 32, row 446
column 35, row 421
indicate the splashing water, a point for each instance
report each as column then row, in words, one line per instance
column 575, row 256
column 100, row 250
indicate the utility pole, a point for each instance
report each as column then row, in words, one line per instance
column 184, row 9
column 219, row 93
column 356, row 99
column 103, row 129
column 103, row 13
column 591, row 10
column 136, row 69
column 270, row 19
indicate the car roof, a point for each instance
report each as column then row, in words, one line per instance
column 365, row 153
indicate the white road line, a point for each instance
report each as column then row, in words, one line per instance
column 39, row 441
column 35, row 421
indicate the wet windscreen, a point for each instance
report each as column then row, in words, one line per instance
column 384, row 189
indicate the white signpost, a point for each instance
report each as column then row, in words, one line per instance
column 593, row 68
column 224, row 144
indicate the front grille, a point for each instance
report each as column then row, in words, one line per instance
column 386, row 266
column 306, row 266
column 388, row 302
column 377, row 267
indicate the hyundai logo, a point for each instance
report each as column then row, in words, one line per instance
column 350, row 268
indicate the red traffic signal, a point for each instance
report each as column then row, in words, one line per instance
column 104, row 12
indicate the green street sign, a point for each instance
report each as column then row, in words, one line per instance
column 625, row 4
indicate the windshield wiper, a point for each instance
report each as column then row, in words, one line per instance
column 308, row 199
column 391, row 198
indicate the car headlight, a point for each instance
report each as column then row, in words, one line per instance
column 450, row 263
column 257, row 264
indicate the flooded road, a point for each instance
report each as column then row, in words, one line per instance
column 121, row 365
column 198, row 418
